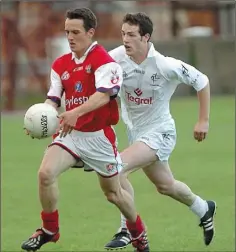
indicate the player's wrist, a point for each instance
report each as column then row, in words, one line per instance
column 77, row 112
column 203, row 119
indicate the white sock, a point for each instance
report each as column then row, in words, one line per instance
column 199, row 207
column 123, row 221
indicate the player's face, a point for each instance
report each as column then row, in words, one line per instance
column 134, row 43
column 79, row 39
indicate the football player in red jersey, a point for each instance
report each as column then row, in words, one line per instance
column 90, row 79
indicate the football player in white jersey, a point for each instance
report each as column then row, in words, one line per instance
column 150, row 79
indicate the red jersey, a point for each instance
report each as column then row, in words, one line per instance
column 81, row 78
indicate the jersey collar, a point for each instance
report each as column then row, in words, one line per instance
column 81, row 60
column 152, row 51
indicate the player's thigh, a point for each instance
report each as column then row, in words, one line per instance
column 109, row 185
column 56, row 160
column 137, row 155
column 162, row 143
column 159, row 173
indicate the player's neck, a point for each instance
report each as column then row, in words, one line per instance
column 80, row 54
column 140, row 57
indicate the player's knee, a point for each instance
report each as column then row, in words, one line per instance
column 113, row 196
column 165, row 189
column 45, row 177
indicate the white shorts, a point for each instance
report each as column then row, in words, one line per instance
column 93, row 150
column 163, row 143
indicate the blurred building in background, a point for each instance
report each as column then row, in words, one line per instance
column 198, row 32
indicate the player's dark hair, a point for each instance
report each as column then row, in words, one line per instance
column 89, row 18
column 142, row 20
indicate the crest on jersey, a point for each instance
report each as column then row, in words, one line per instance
column 115, row 77
column 65, row 76
column 111, row 167
column 138, row 91
column 155, row 78
column 78, row 87
column 88, row 69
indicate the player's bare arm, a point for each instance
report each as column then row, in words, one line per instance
column 69, row 118
column 189, row 75
column 202, row 126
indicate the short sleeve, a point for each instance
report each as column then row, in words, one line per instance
column 184, row 73
column 109, row 78
column 56, row 88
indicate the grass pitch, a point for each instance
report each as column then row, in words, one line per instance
column 87, row 221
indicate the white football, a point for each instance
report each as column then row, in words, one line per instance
column 41, row 120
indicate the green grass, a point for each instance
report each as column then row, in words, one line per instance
column 87, row 221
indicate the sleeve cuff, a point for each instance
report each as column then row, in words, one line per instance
column 112, row 91
column 55, row 99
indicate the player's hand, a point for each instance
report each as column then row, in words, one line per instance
column 27, row 133
column 200, row 130
column 68, row 121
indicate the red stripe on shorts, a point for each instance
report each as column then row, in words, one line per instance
column 111, row 136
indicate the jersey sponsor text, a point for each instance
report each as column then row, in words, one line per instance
column 138, row 100
column 76, row 101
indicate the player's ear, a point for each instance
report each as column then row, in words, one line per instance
column 147, row 36
column 91, row 32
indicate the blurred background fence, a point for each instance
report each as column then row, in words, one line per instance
column 201, row 33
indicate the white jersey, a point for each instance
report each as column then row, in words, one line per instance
column 147, row 88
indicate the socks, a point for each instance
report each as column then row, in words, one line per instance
column 50, row 222
column 137, row 228
column 123, row 221
column 199, row 207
